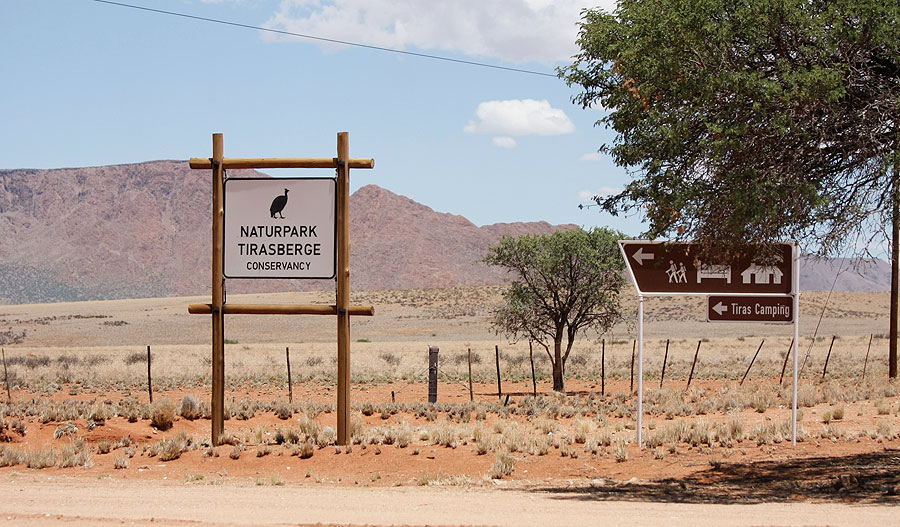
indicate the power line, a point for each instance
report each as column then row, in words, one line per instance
column 323, row 39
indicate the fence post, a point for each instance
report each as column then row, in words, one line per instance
column 633, row 344
column 287, row 354
column 784, row 366
column 665, row 359
column 693, row 364
column 866, row 363
column 533, row 376
column 751, row 362
column 149, row 377
column 471, row 392
column 825, row 369
column 603, row 369
column 432, row 373
column 499, row 385
column 6, row 377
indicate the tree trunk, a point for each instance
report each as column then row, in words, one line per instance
column 558, row 383
column 895, row 269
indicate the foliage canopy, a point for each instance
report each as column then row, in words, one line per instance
column 562, row 284
column 748, row 121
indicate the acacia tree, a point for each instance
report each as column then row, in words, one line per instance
column 752, row 122
column 562, row 284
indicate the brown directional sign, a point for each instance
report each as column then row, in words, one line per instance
column 675, row 267
column 773, row 309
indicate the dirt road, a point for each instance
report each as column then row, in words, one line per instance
column 35, row 500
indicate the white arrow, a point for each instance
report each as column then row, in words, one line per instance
column 720, row 308
column 639, row 256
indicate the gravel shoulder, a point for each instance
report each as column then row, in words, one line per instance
column 32, row 500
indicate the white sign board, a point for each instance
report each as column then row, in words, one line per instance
column 280, row 228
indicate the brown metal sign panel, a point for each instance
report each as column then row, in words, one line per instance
column 772, row 309
column 676, row 267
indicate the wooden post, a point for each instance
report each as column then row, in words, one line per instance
column 633, row 343
column 751, row 362
column 784, row 366
column 603, row 368
column 471, row 392
column 218, row 286
column 6, row 377
column 693, row 364
column 342, row 300
column 866, row 362
column 825, row 369
column 287, row 355
column 149, row 377
column 432, row 373
column 533, row 376
column 343, row 287
column 665, row 359
column 499, row 386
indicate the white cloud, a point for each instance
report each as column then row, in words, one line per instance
column 504, row 142
column 511, row 30
column 519, row 117
column 591, row 156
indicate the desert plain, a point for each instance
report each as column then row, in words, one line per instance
column 81, row 443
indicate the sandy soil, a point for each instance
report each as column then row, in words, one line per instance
column 851, row 480
column 31, row 500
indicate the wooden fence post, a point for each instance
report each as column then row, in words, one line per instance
column 6, row 377
column 784, row 366
column 751, row 362
column 432, row 373
column 633, row 344
column 533, row 376
column 471, row 392
column 665, row 359
column 499, row 386
column 287, row 354
column 603, row 368
column 693, row 364
column 825, row 369
column 866, row 363
column 149, row 377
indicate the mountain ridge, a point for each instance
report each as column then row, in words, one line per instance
column 143, row 230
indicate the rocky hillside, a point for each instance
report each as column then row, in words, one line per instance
column 144, row 230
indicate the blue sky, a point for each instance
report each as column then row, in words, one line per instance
column 87, row 83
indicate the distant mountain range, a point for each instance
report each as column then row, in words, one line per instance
column 143, row 230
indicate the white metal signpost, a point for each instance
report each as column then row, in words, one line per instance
column 754, row 291
column 280, row 227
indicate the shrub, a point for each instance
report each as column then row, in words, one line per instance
column 68, row 428
column 503, row 466
column 284, row 411
column 10, row 457
column 190, row 408
column 162, row 414
column 306, row 450
column 75, row 455
column 172, row 448
column 121, row 462
column 620, row 453
column 38, row 459
column 104, row 446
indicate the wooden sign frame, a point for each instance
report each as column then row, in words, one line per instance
column 342, row 308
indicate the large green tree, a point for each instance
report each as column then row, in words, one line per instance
column 752, row 121
column 561, row 285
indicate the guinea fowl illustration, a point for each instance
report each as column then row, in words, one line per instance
column 278, row 205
